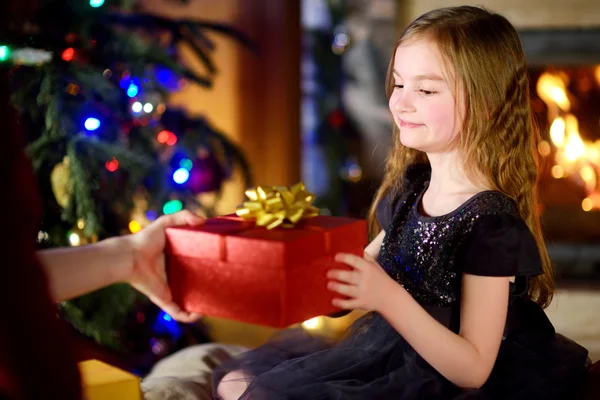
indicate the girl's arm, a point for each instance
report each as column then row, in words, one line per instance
column 372, row 249
column 465, row 359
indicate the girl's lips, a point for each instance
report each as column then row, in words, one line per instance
column 404, row 124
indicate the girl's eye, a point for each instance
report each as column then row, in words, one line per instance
column 398, row 86
column 427, row 92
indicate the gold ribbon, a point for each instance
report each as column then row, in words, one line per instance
column 274, row 206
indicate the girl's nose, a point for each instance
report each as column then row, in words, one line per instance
column 404, row 103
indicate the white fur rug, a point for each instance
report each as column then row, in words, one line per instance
column 185, row 375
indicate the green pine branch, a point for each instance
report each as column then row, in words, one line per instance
column 82, row 192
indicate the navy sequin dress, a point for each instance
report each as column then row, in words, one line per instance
column 428, row 255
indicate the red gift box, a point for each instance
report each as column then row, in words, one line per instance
column 233, row 269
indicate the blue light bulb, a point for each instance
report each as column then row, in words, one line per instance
column 91, row 124
column 151, row 215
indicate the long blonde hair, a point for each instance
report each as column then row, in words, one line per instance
column 499, row 138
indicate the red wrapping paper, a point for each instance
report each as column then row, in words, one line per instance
column 230, row 268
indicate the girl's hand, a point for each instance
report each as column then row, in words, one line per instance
column 365, row 287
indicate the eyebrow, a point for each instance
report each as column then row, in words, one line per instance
column 424, row 77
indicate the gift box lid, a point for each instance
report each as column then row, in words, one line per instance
column 231, row 239
column 104, row 382
column 204, row 241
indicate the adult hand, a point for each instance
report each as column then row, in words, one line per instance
column 148, row 273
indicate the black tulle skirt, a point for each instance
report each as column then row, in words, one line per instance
column 373, row 361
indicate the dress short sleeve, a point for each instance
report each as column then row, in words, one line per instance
column 501, row 245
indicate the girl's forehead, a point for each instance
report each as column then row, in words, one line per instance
column 418, row 51
column 420, row 57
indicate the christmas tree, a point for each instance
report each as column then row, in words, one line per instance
column 332, row 139
column 91, row 81
column 325, row 120
column 347, row 124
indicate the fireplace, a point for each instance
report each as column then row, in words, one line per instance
column 564, row 68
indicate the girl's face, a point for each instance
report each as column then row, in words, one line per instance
column 422, row 103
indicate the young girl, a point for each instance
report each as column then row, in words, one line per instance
column 456, row 280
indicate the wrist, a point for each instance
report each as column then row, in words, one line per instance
column 393, row 296
column 121, row 249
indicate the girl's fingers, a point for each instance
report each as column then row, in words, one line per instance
column 348, row 290
column 350, row 259
column 346, row 304
column 343, row 275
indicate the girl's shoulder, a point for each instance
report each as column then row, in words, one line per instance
column 500, row 244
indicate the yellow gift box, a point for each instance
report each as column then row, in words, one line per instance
column 104, row 382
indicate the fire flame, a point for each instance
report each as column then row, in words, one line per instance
column 574, row 157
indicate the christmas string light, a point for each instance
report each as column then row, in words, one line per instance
column 172, row 140
column 137, row 107
column 68, row 54
column 4, row 53
column 151, row 215
column 96, row 3
column 134, row 226
column 186, row 163
column 132, row 90
column 74, row 239
column 24, row 56
column 163, row 136
column 72, row 89
column 91, row 124
column 112, row 165
column 172, row 206
column 166, row 137
column 181, row 176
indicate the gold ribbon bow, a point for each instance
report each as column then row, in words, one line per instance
column 274, row 206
